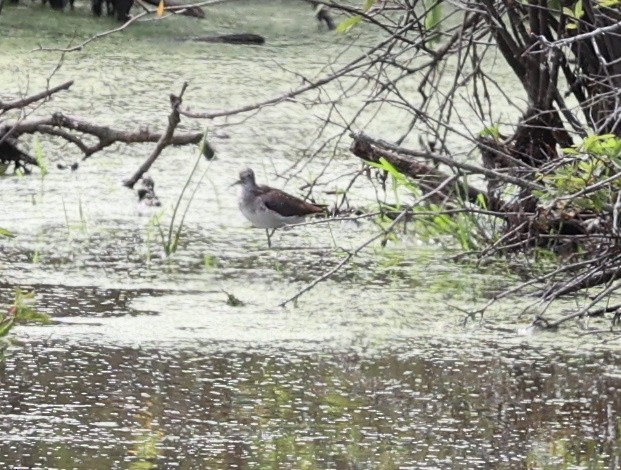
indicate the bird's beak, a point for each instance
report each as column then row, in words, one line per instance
column 236, row 182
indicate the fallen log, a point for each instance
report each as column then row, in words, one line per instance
column 427, row 176
column 239, row 38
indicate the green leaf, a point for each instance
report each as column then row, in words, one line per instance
column 609, row 3
column 390, row 168
column 5, row 326
column 491, row 131
column 347, row 24
column 433, row 16
column 40, row 158
column 368, row 4
column 211, row 261
column 444, row 223
column 568, row 12
column 31, row 315
column 5, row 233
column 579, row 9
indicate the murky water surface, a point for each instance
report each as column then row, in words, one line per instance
column 149, row 364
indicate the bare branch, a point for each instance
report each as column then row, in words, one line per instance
column 164, row 141
column 23, row 102
column 105, row 135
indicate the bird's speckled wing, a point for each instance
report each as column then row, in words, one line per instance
column 288, row 205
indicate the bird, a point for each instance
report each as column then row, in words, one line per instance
column 146, row 196
column 270, row 208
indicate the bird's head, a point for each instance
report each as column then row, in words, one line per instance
column 246, row 177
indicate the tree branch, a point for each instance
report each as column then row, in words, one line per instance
column 164, row 141
column 23, row 102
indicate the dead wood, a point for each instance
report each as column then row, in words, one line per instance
column 74, row 130
column 87, row 136
column 23, row 102
column 428, row 177
column 238, row 38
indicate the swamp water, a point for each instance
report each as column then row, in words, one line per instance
column 149, row 364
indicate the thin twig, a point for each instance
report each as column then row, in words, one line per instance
column 351, row 254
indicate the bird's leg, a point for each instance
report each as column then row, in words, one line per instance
column 269, row 236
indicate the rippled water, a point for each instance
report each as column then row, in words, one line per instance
column 148, row 365
column 427, row 404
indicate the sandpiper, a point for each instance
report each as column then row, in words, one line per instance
column 271, row 208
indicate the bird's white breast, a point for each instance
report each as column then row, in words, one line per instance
column 259, row 215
